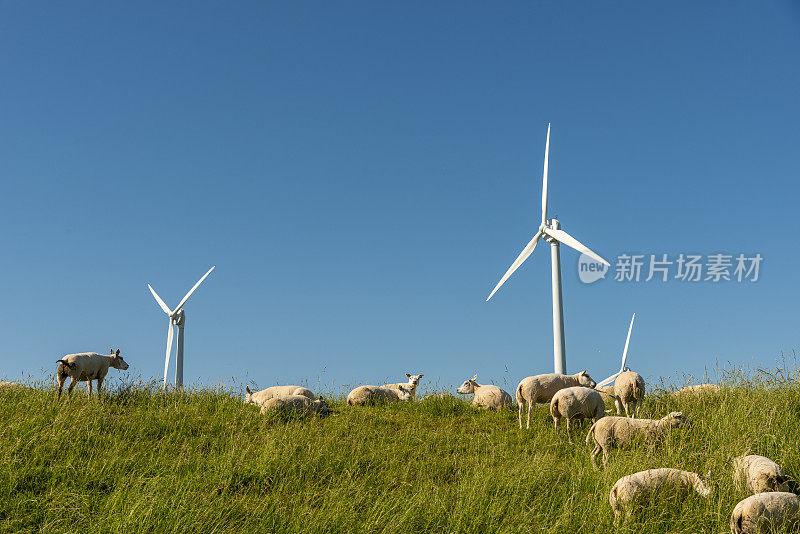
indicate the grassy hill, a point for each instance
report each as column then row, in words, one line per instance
column 144, row 461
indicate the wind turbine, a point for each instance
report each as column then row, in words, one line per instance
column 622, row 369
column 551, row 230
column 177, row 317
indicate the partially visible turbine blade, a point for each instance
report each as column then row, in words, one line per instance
column 627, row 341
column 607, row 381
column 544, row 175
column 521, row 258
column 189, row 294
column 570, row 241
column 169, row 351
column 160, row 302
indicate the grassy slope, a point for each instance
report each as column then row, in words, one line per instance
column 202, row 462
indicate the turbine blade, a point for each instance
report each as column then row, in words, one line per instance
column 169, row 351
column 521, row 258
column 627, row 341
column 608, row 380
column 160, row 302
column 189, row 294
column 544, row 175
column 570, row 241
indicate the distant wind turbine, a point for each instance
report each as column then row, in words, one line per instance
column 177, row 317
column 553, row 234
column 622, row 369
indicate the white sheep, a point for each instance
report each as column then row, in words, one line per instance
column 260, row 397
column 541, row 388
column 577, row 402
column 617, row 432
column 766, row 512
column 629, row 392
column 411, row 385
column 294, row 404
column 486, row 396
column 371, row 395
column 638, row 488
column 86, row 366
column 14, row 385
column 758, row 474
column 697, row 390
column 608, row 391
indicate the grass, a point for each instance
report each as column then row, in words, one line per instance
column 141, row 460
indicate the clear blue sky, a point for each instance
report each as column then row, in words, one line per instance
column 362, row 174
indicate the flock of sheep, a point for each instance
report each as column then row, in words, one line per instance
column 571, row 397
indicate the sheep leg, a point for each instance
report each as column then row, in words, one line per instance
column 557, row 421
column 594, row 454
column 625, row 405
column 530, row 405
column 569, row 434
column 99, row 384
column 521, row 409
column 89, row 387
column 605, row 458
column 61, row 380
column 71, row 386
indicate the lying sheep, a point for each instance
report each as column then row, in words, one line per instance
column 541, row 388
column 294, row 405
column 629, row 391
column 14, row 385
column 697, row 390
column 758, row 474
column 86, row 366
column 371, row 395
column 766, row 512
column 617, row 432
column 577, row 402
column 486, row 396
column 260, row 397
column 411, row 385
column 638, row 488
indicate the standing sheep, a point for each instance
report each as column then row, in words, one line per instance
column 295, row 404
column 608, row 391
column 411, row 385
column 766, row 512
column 371, row 395
column 86, row 366
column 486, row 396
column 636, row 489
column 260, row 397
column 758, row 474
column 629, row 391
column 541, row 388
column 617, row 432
column 577, row 402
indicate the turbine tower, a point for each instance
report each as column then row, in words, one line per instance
column 551, row 230
column 177, row 317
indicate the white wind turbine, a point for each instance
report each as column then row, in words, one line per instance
column 177, row 317
column 551, row 230
column 622, row 369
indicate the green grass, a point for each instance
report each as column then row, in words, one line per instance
column 144, row 461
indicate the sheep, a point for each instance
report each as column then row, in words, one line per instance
column 616, row 432
column 260, row 397
column 295, row 404
column 14, row 386
column 541, row 388
column 629, row 392
column 697, row 390
column 608, row 391
column 758, row 474
column 766, row 511
column 411, row 385
column 86, row 366
column 486, row 396
column 577, row 402
column 372, row 395
column 638, row 488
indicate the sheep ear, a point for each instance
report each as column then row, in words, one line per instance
column 117, row 354
column 320, row 398
column 421, row 376
column 408, row 375
column 247, row 388
column 475, row 377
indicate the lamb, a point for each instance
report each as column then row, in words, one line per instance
column 758, row 474
column 294, row 404
column 577, row 402
column 260, row 397
column 411, row 385
column 486, row 396
column 541, row 388
column 616, row 432
column 86, row 366
column 629, row 391
column 638, row 488
column 766, row 511
column 364, row 395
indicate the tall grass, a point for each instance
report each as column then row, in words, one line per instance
column 141, row 460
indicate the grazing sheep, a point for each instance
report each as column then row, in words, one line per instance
column 758, row 474
column 411, row 385
column 86, row 366
column 766, row 512
column 616, row 432
column 636, row 489
column 629, row 391
column 295, row 404
column 697, row 390
column 364, row 395
column 260, row 397
column 541, row 388
column 577, row 402
column 486, row 396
